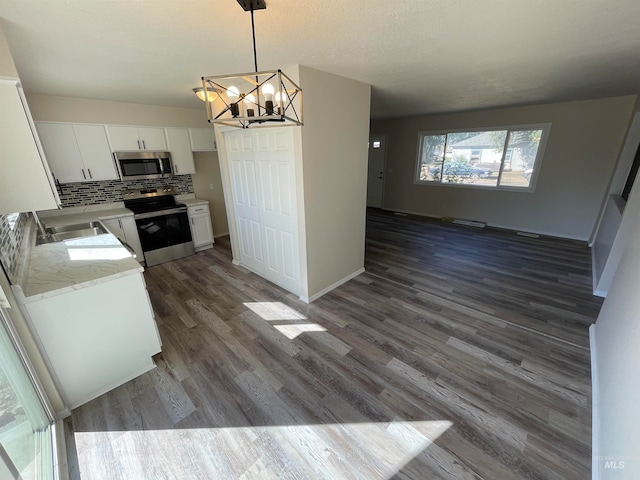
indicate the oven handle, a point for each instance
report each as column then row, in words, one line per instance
column 159, row 213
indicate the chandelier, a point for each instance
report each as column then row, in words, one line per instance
column 267, row 98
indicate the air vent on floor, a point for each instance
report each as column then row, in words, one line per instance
column 528, row 234
column 468, row 223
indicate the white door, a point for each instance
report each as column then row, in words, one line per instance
column 273, row 153
column 262, row 166
column 245, row 199
column 375, row 176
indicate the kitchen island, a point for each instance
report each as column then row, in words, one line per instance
column 87, row 305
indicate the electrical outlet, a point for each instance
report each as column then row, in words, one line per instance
column 211, row 186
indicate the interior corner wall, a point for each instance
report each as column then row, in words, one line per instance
column 583, row 147
column 207, row 185
column 334, row 150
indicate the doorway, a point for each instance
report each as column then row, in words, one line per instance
column 375, row 175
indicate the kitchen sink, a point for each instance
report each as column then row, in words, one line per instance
column 68, row 232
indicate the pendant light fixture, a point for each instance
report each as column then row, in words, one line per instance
column 267, row 98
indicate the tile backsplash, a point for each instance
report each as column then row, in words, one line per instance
column 12, row 231
column 92, row 193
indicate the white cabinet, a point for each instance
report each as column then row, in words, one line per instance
column 76, row 152
column 126, row 138
column 180, row 148
column 203, row 139
column 263, row 188
column 201, row 230
column 97, row 337
column 26, row 183
column 125, row 229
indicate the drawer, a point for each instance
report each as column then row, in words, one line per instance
column 198, row 209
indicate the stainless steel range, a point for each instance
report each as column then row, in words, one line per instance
column 163, row 224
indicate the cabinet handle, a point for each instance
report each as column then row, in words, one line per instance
column 120, row 223
column 90, row 176
column 193, row 222
column 83, row 175
column 175, row 167
column 144, row 146
column 139, row 147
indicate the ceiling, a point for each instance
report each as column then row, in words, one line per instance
column 420, row 57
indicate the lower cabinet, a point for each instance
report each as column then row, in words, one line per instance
column 125, row 229
column 97, row 337
column 201, row 230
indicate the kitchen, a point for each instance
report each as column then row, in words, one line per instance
column 331, row 253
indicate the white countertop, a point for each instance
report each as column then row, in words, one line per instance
column 190, row 200
column 54, row 268
column 71, row 215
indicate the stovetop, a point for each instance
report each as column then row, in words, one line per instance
column 149, row 199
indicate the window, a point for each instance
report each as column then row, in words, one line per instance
column 503, row 158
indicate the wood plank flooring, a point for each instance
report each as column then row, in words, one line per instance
column 459, row 354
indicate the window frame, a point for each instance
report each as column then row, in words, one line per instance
column 537, row 162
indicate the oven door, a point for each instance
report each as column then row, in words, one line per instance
column 164, row 235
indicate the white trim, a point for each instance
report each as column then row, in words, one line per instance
column 492, row 225
column 595, row 424
column 220, row 234
column 324, row 291
column 60, row 462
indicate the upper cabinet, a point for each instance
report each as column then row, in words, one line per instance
column 125, row 138
column 26, row 183
column 180, row 148
column 203, row 139
column 77, row 153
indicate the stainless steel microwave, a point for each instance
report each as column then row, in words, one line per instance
column 134, row 165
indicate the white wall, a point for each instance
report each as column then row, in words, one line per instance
column 83, row 110
column 616, row 336
column 334, row 148
column 7, row 67
column 584, row 144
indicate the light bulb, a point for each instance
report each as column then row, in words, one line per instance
column 233, row 93
column 210, row 95
column 249, row 101
column 267, row 90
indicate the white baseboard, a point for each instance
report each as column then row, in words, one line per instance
column 220, row 234
column 332, row 286
column 595, row 423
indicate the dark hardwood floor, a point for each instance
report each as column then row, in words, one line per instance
column 459, row 354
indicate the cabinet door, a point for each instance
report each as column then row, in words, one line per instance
column 63, row 154
column 200, row 221
column 123, row 138
column 125, row 229
column 24, row 174
column 131, row 234
column 152, row 138
column 95, row 152
column 203, row 139
column 115, row 226
column 180, row 148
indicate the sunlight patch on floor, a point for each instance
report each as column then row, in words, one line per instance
column 331, row 451
column 274, row 311
column 279, row 312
